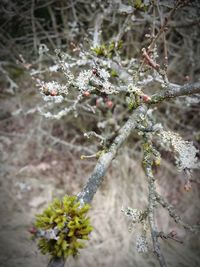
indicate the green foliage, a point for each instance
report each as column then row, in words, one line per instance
column 107, row 50
column 69, row 218
column 113, row 73
column 139, row 4
column 151, row 155
column 132, row 101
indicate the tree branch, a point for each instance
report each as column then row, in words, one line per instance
column 152, row 224
column 174, row 91
column 56, row 262
column 148, row 162
column 173, row 213
column 96, row 178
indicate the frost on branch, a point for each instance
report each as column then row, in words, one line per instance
column 185, row 152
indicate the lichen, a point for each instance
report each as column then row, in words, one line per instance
column 141, row 244
column 68, row 220
column 185, row 151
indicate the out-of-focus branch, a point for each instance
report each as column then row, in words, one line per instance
column 174, row 214
column 56, row 262
column 164, row 25
column 67, row 144
column 174, row 91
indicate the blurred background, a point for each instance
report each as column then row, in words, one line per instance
column 40, row 158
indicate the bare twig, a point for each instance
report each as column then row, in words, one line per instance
column 65, row 143
column 163, row 26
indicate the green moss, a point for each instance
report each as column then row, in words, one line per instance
column 140, row 5
column 73, row 226
column 101, row 153
column 107, row 50
column 113, row 73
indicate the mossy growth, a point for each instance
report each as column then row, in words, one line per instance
column 72, row 226
column 107, row 50
column 113, row 73
column 140, row 5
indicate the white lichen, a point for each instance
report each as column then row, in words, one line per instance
column 134, row 214
column 185, row 151
column 141, row 244
column 104, row 74
column 53, row 87
column 55, row 99
column 83, row 79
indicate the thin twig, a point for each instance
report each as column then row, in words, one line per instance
column 174, row 215
column 152, row 201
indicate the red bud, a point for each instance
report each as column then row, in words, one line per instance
column 86, row 93
column 146, row 98
column 32, row 230
column 54, row 92
column 109, row 104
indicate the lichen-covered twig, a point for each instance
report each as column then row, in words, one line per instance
column 148, row 162
column 173, row 213
column 173, row 91
column 96, row 178
column 152, row 224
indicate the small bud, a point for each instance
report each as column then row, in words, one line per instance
column 109, row 104
column 32, row 230
column 173, row 233
column 187, row 186
column 146, row 98
column 94, row 71
column 86, row 93
column 187, row 78
column 54, row 92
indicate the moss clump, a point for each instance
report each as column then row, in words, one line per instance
column 113, row 73
column 140, row 5
column 71, row 224
column 107, row 50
